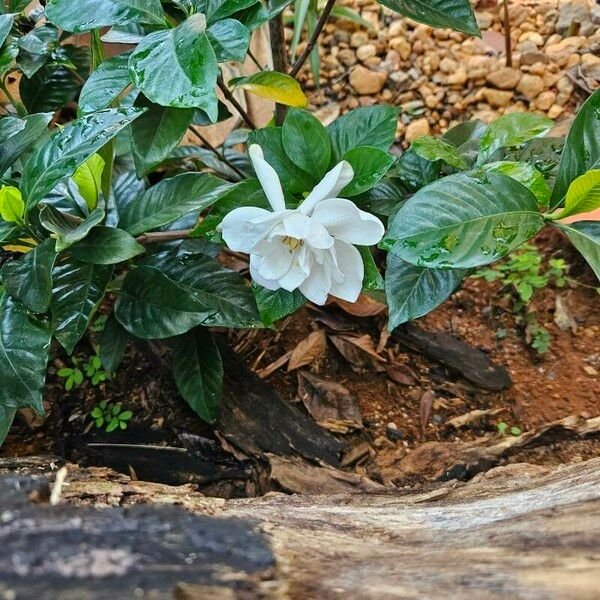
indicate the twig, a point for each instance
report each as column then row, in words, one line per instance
column 227, row 93
column 313, row 38
column 278, row 53
column 163, row 236
column 220, row 155
column 255, row 60
column 507, row 38
column 61, row 475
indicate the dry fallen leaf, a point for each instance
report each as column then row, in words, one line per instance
column 474, row 417
column 311, row 348
column 365, row 306
column 562, row 315
column 358, row 351
column 402, row 374
column 425, row 410
column 276, row 364
column 330, row 404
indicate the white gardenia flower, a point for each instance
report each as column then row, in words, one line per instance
column 309, row 248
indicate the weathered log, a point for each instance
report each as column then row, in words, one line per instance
column 513, row 533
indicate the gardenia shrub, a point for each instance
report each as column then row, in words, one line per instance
column 82, row 220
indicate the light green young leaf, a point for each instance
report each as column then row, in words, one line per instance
column 272, row 86
column 88, row 177
column 12, row 207
column 583, row 195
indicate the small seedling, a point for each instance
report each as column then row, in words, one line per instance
column 73, row 376
column 94, row 371
column 503, row 429
column 99, row 324
column 110, row 415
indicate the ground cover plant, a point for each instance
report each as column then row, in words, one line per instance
column 106, row 205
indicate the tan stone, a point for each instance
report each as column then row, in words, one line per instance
column 497, row 98
column 505, row 78
column 347, row 57
column 359, row 38
column 366, row 51
column 365, row 81
column 459, row 77
column 555, row 111
column 545, row 100
column 417, row 129
column 402, row 46
column 530, row 86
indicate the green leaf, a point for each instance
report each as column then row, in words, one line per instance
column 178, row 67
column 49, row 89
column 88, row 177
column 6, row 418
column 343, row 12
column 464, row 132
column 583, row 195
column 171, row 199
column 276, row 7
column 36, row 47
column 224, row 291
column 455, row 14
column 372, row 279
column 12, row 207
column 276, row 304
column 306, row 142
column 274, row 86
column 432, row 148
column 70, row 147
column 581, row 151
column 113, row 343
column 198, row 372
column 511, row 130
column 229, row 39
column 156, row 133
column 293, row 179
column 152, row 306
column 93, row 14
column 464, row 220
column 67, row 228
column 585, row 236
column 78, row 289
column 415, row 171
column 6, row 23
column 29, row 279
column 370, row 165
column 526, row 175
column 106, row 246
column 367, row 126
column 385, row 198
column 24, row 346
column 105, row 84
column 13, row 143
column 414, row 291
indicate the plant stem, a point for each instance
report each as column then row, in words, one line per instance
column 313, row 38
column 255, row 60
column 97, row 50
column 278, row 53
column 19, row 106
column 507, row 39
column 229, row 96
column 163, row 236
column 220, row 155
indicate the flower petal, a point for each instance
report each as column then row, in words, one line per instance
column 316, row 286
column 269, row 180
column 243, row 226
column 298, row 272
column 302, row 227
column 274, row 260
column 270, row 284
column 329, row 187
column 345, row 221
column 351, row 265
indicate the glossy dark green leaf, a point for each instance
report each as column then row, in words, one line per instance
column 511, row 130
column 93, row 14
column 433, row 149
column 24, row 346
column 367, row 126
column 414, row 291
column 68, row 229
column 35, row 48
column 106, row 246
column 384, row 198
column 178, row 67
column 229, row 39
column 525, row 174
column 293, row 178
column 198, row 372
column 215, row 10
column 415, row 171
column 105, row 84
column 113, row 342
column 464, row 132
column 29, row 279
column 6, row 23
column 78, row 289
column 224, row 291
column 170, row 199
column 152, row 306
column 49, row 89
column 156, row 133
column 276, row 304
column 14, row 142
column 69, row 147
column 370, row 165
column 306, row 142
column 585, row 236
column 8, row 53
column 6, row 418
column 455, row 14
column 581, row 151
column 463, row 221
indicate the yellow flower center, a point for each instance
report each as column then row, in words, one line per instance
column 292, row 243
